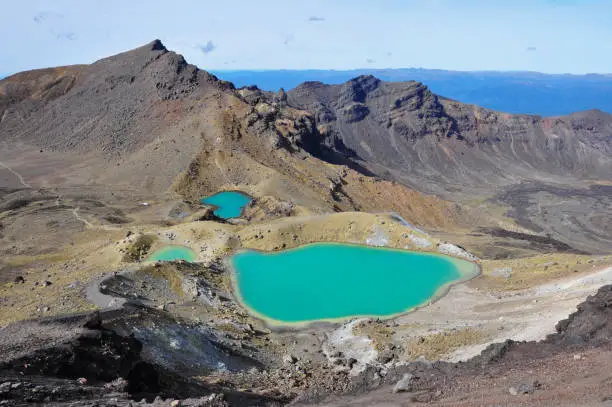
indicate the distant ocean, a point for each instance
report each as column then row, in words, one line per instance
column 511, row 92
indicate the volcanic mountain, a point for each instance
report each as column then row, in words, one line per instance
column 414, row 135
column 146, row 126
column 148, row 121
column 543, row 168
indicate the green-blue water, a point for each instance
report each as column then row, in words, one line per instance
column 331, row 280
column 173, row 253
column 228, row 204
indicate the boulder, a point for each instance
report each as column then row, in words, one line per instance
column 5, row 387
column 289, row 359
column 356, row 112
column 405, row 384
column 524, row 388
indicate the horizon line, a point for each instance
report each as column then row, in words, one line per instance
column 407, row 69
column 262, row 70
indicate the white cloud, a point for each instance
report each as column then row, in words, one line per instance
column 207, row 48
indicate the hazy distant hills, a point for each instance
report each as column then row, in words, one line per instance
column 511, row 92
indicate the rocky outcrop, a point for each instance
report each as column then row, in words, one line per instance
column 268, row 207
column 72, row 347
column 591, row 324
column 355, row 112
column 80, row 359
column 282, row 127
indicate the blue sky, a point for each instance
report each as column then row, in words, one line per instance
column 556, row 36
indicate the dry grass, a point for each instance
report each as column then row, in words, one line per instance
column 138, row 250
column 168, row 272
column 436, row 346
column 19, row 261
column 93, row 254
column 378, row 332
column 350, row 227
column 373, row 195
column 532, row 271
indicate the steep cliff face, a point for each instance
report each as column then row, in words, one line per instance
column 405, row 132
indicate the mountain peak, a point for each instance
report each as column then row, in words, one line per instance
column 365, row 78
column 369, row 82
column 157, row 45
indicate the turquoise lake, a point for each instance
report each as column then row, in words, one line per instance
column 227, row 204
column 325, row 281
column 173, row 253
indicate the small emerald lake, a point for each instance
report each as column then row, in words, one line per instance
column 325, row 281
column 228, row 204
column 173, row 253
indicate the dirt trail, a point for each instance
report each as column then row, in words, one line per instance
column 16, row 174
column 75, row 212
column 96, row 297
column 77, row 216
